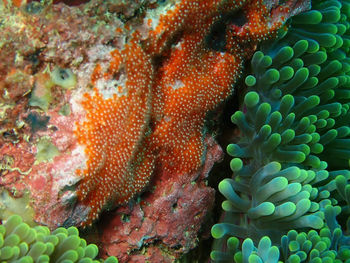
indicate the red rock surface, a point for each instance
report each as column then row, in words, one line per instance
column 165, row 224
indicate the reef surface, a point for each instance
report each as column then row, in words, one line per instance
column 103, row 102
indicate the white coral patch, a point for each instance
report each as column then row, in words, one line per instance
column 110, row 87
column 177, row 85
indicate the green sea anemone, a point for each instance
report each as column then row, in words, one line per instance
column 288, row 199
column 21, row 243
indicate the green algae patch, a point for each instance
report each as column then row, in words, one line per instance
column 46, row 151
column 41, row 95
column 10, row 206
column 64, row 78
column 65, row 110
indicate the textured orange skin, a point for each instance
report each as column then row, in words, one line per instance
column 159, row 119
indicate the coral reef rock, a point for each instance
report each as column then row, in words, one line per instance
column 103, row 102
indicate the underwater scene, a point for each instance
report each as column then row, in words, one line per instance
column 188, row 131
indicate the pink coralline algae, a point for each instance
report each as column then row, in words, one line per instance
column 172, row 212
column 131, row 121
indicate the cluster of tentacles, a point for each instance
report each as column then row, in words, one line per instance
column 289, row 197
